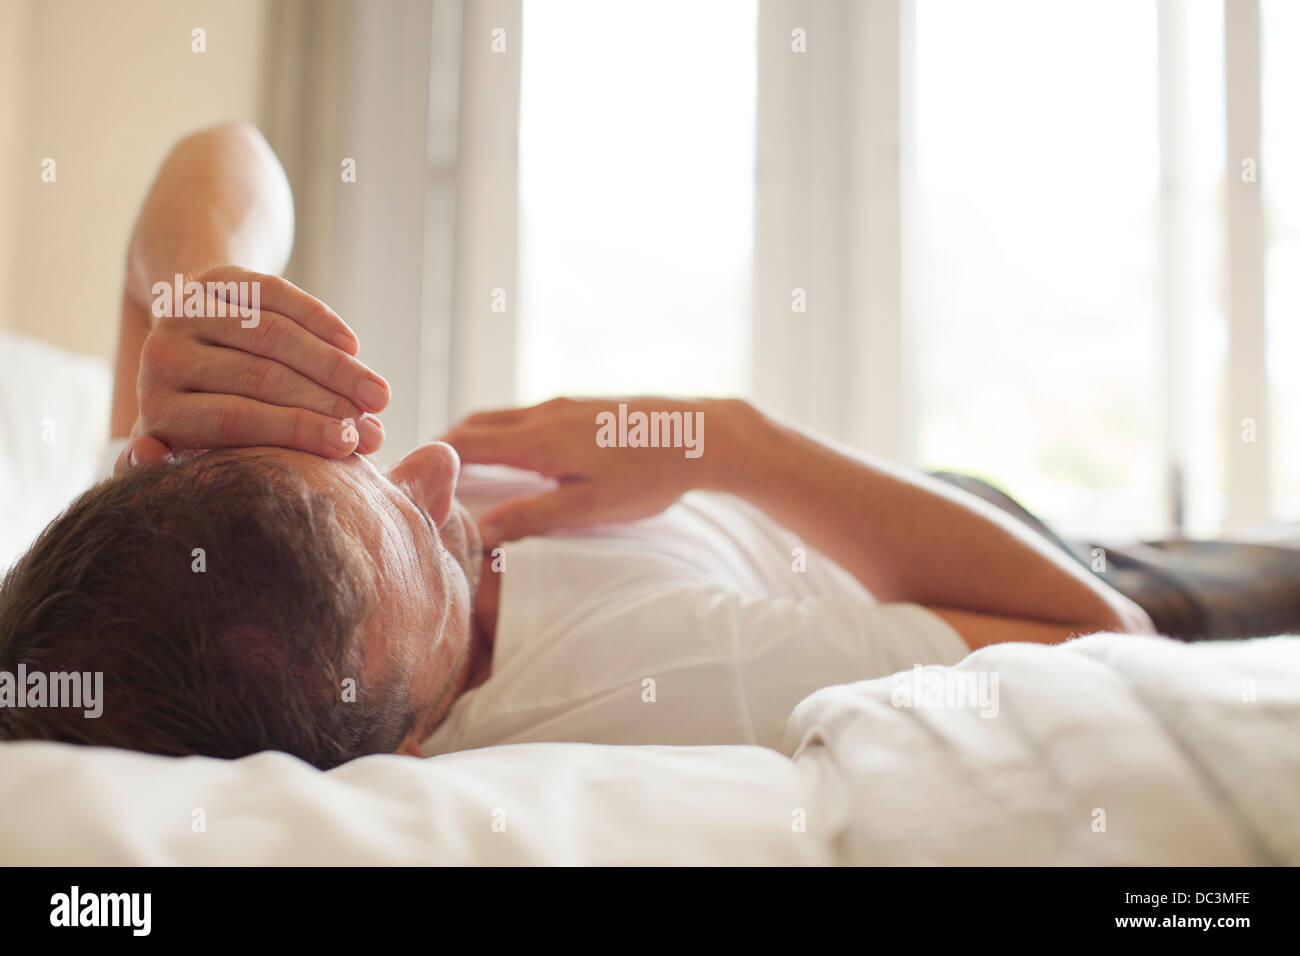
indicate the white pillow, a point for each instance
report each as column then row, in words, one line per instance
column 54, row 410
column 523, row 804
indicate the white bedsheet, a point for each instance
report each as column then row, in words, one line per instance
column 523, row 804
column 1154, row 733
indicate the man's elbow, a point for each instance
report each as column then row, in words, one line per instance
column 229, row 130
column 1126, row 617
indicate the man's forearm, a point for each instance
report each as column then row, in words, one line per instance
column 220, row 197
column 908, row 537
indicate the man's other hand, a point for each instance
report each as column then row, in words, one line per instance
column 596, row 482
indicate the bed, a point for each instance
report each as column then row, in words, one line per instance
column 1110, row 749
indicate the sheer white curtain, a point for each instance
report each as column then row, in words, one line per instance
column 834, row 154
column 351, row 84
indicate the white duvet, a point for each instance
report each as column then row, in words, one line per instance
column 1111, row 749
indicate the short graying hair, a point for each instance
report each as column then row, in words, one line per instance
column 249, row 655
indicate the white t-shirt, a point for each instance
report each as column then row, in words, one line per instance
column 691, row 627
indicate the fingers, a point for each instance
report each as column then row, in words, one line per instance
column 280, row 369
column 276, row 294
column 175, row 367
column 141, row 450
column 495, row 445
column 516, row 415
column 289, row 326
column 497, row 416
column 229, row 421
column 284, row 341
column 232, row 372
column 566, row 506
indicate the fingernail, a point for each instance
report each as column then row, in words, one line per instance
column 344, row 342
column 372, row 431
column 342, row 435
column 373, row 394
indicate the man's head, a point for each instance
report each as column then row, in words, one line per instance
column 260, row 599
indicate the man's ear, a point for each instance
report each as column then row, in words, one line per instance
column 430, row 473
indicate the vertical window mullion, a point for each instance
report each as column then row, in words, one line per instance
column 1172, row 297
column 487, row 222
column 1247, row 426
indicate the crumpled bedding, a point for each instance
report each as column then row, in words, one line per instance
column 1111, row 749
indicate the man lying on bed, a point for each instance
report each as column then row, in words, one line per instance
column 279, row 592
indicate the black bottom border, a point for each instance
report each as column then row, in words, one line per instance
column 332, row 904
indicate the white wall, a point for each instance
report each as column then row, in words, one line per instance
column 13, row 31
column 103, row 89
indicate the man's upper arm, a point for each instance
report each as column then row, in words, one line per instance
column 132, row 332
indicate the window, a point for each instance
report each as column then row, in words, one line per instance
column 636, row 186
column 1018, row 220
column 1069, row 339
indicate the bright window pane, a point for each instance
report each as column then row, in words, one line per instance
column 636, row 187
column 1200, row 406
column 1037, row 254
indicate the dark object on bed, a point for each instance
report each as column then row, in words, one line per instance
column 1193, row 590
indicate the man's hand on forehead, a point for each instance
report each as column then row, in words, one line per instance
column 277, row 368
